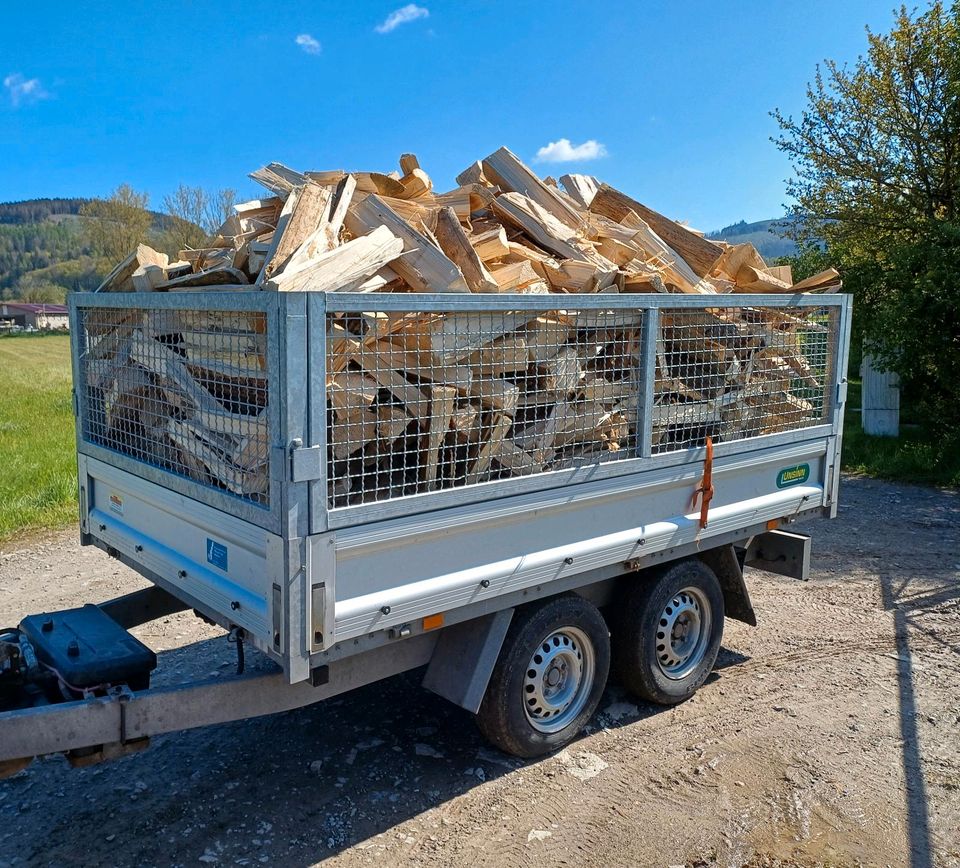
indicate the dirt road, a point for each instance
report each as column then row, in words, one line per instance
column 830, row 735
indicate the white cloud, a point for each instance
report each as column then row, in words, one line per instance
column 308, row 43
column 562, row 151
column 24, row 90
column 404, row 15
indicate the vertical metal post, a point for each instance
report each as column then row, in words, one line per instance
column 295, row 512
column 80, row 410
column 316, row 398
column 647, row 376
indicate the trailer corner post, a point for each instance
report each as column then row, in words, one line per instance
column 295, row 508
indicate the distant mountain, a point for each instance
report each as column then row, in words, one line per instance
column 764, row 235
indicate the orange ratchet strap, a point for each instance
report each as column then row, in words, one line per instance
column 704, row 493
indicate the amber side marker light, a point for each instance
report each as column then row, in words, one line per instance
column 431, row 622
column 773, row 524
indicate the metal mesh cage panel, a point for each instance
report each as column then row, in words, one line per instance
column 182, row 390
column 419, row 402
column 732, row 373
column 423, row 401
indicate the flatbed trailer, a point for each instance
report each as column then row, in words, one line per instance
column 515, row 593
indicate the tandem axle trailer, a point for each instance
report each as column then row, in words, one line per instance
column 514, row 590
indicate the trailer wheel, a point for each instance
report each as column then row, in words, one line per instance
column 668, row 632
column 548, row 679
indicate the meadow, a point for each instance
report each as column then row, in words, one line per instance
column 38, row 473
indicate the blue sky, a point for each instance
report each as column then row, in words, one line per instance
column 674, row 96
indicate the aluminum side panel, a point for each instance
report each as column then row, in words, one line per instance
column 396, row 571
column 214, row 558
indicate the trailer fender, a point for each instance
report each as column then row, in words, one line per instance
column 726, row 567
column 464, row 657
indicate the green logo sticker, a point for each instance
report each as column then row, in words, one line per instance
column 795, row 475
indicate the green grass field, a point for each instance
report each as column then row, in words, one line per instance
column 38, row 480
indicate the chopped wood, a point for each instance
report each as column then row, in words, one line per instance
column 425, row 267
column 699, row 253
column 501, row 357
column 473, row 174
column 819, row 282
column 489, row 450
column 278, row 179
column 308, row 212
column 442, row 405
column 496, row 394
column 424, row 400
column 343, row 268
column 454, row 242
column 219, row 275
column 416, row 184
column 581, row 188
column 514, row 276
column 457, row 336
column 541, row 226
column 505, row 170
column 121, row 278
column 490, row 244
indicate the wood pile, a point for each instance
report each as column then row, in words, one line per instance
column 422, row 401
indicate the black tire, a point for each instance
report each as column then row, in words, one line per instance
column 503, row 718
column 639, row 642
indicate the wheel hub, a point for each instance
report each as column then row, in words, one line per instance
column 683, row 633
column 558, row 678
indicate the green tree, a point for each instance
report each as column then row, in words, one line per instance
column 115, row 226
column 39, row 292
column 876, row 158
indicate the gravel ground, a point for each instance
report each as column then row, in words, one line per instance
column 829, row 735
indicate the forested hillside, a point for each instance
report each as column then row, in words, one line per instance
column 38, row 210
column 44, row 251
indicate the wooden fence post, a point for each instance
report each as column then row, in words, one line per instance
column 880, row 400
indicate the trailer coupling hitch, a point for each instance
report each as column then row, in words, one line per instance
column 704, row 492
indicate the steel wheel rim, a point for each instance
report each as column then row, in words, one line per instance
column 683, row 633
column 558, row 679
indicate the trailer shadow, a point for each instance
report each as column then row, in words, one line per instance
column 290, row 789
column 920, row 587
column 909, row 605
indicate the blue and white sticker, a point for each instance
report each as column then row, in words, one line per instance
column 217, row 554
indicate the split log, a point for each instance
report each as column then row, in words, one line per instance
column 424, row 266
column 342, row 269
column 442, row 406
column 699, row 253
column 504, row 169
column 456, row 245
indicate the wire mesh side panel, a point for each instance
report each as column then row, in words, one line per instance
column 182, row 390
column 419, row 402
column 738, row 372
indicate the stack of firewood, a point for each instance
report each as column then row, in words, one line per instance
column 421, row 401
